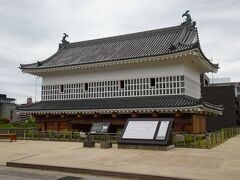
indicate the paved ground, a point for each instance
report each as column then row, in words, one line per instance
column 9, row 173
column 222, row 162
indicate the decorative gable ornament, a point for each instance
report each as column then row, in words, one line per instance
column 64, row 41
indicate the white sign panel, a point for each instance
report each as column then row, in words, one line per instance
column 140, row 130
column 162, row 130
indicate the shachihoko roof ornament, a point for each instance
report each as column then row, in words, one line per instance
column 64, row 41
column 188, row 20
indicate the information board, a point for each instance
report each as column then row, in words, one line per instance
column 146, row 131
column 140, row 130
column 162, row 131
column 100, row 127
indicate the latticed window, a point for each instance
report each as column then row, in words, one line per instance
column 168, row 85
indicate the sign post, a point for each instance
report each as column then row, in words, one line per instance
column 100, row 127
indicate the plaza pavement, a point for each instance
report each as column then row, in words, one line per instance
column 221, row 162
column 11, row 173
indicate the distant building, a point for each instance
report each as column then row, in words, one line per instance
column 227, row 94
column 29, row 100
column 7, row 107
column 17, row 116
column 236, row 86
column 220, row 80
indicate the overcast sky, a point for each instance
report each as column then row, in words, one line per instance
column 31, row 30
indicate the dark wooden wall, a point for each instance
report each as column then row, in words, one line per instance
column 183, row 122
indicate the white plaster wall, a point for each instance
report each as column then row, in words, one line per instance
column 181, row 66
column 192, row 85
column 192, row 70
column 115, row 73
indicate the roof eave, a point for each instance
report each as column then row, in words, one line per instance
column 24, row 67
column 206, row 63
column 187, row 109
column 213, row 67
column 39, row 71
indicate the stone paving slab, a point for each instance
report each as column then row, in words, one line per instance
column 10, row 173
column 221, row 162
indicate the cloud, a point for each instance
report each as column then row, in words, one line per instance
column 31, row 30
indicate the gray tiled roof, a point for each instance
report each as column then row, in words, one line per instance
column 131, row 46
column 117, row 103
column 4, row 97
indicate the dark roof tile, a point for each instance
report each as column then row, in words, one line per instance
column 130, row 46
column 115, row 103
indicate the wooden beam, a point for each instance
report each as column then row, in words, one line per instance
column 134, row 114
column 34, row 116
column 95, row 115
column 154, row 114
column 79, row 115
column 177, row 114
column 114, row 114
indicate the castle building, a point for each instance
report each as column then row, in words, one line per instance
column 146, row 74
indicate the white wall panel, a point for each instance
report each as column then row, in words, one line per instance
column 184, row 67
column 128, row 71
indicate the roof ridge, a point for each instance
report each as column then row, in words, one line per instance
column 124, row 36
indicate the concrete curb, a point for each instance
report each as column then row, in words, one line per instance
column 90, row 171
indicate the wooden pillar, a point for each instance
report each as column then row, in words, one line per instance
column 43, row 125
column 70, row 126
column 56, row 125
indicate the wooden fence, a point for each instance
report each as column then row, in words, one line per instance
column 207, row 140
column 32, row 134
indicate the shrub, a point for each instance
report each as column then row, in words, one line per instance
column 188, row 138
column 7, row 126
column 29, row 133
column 50, row 133
column 75, row 134
column 66, row 134
column 201, row 142
column 29, row 123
